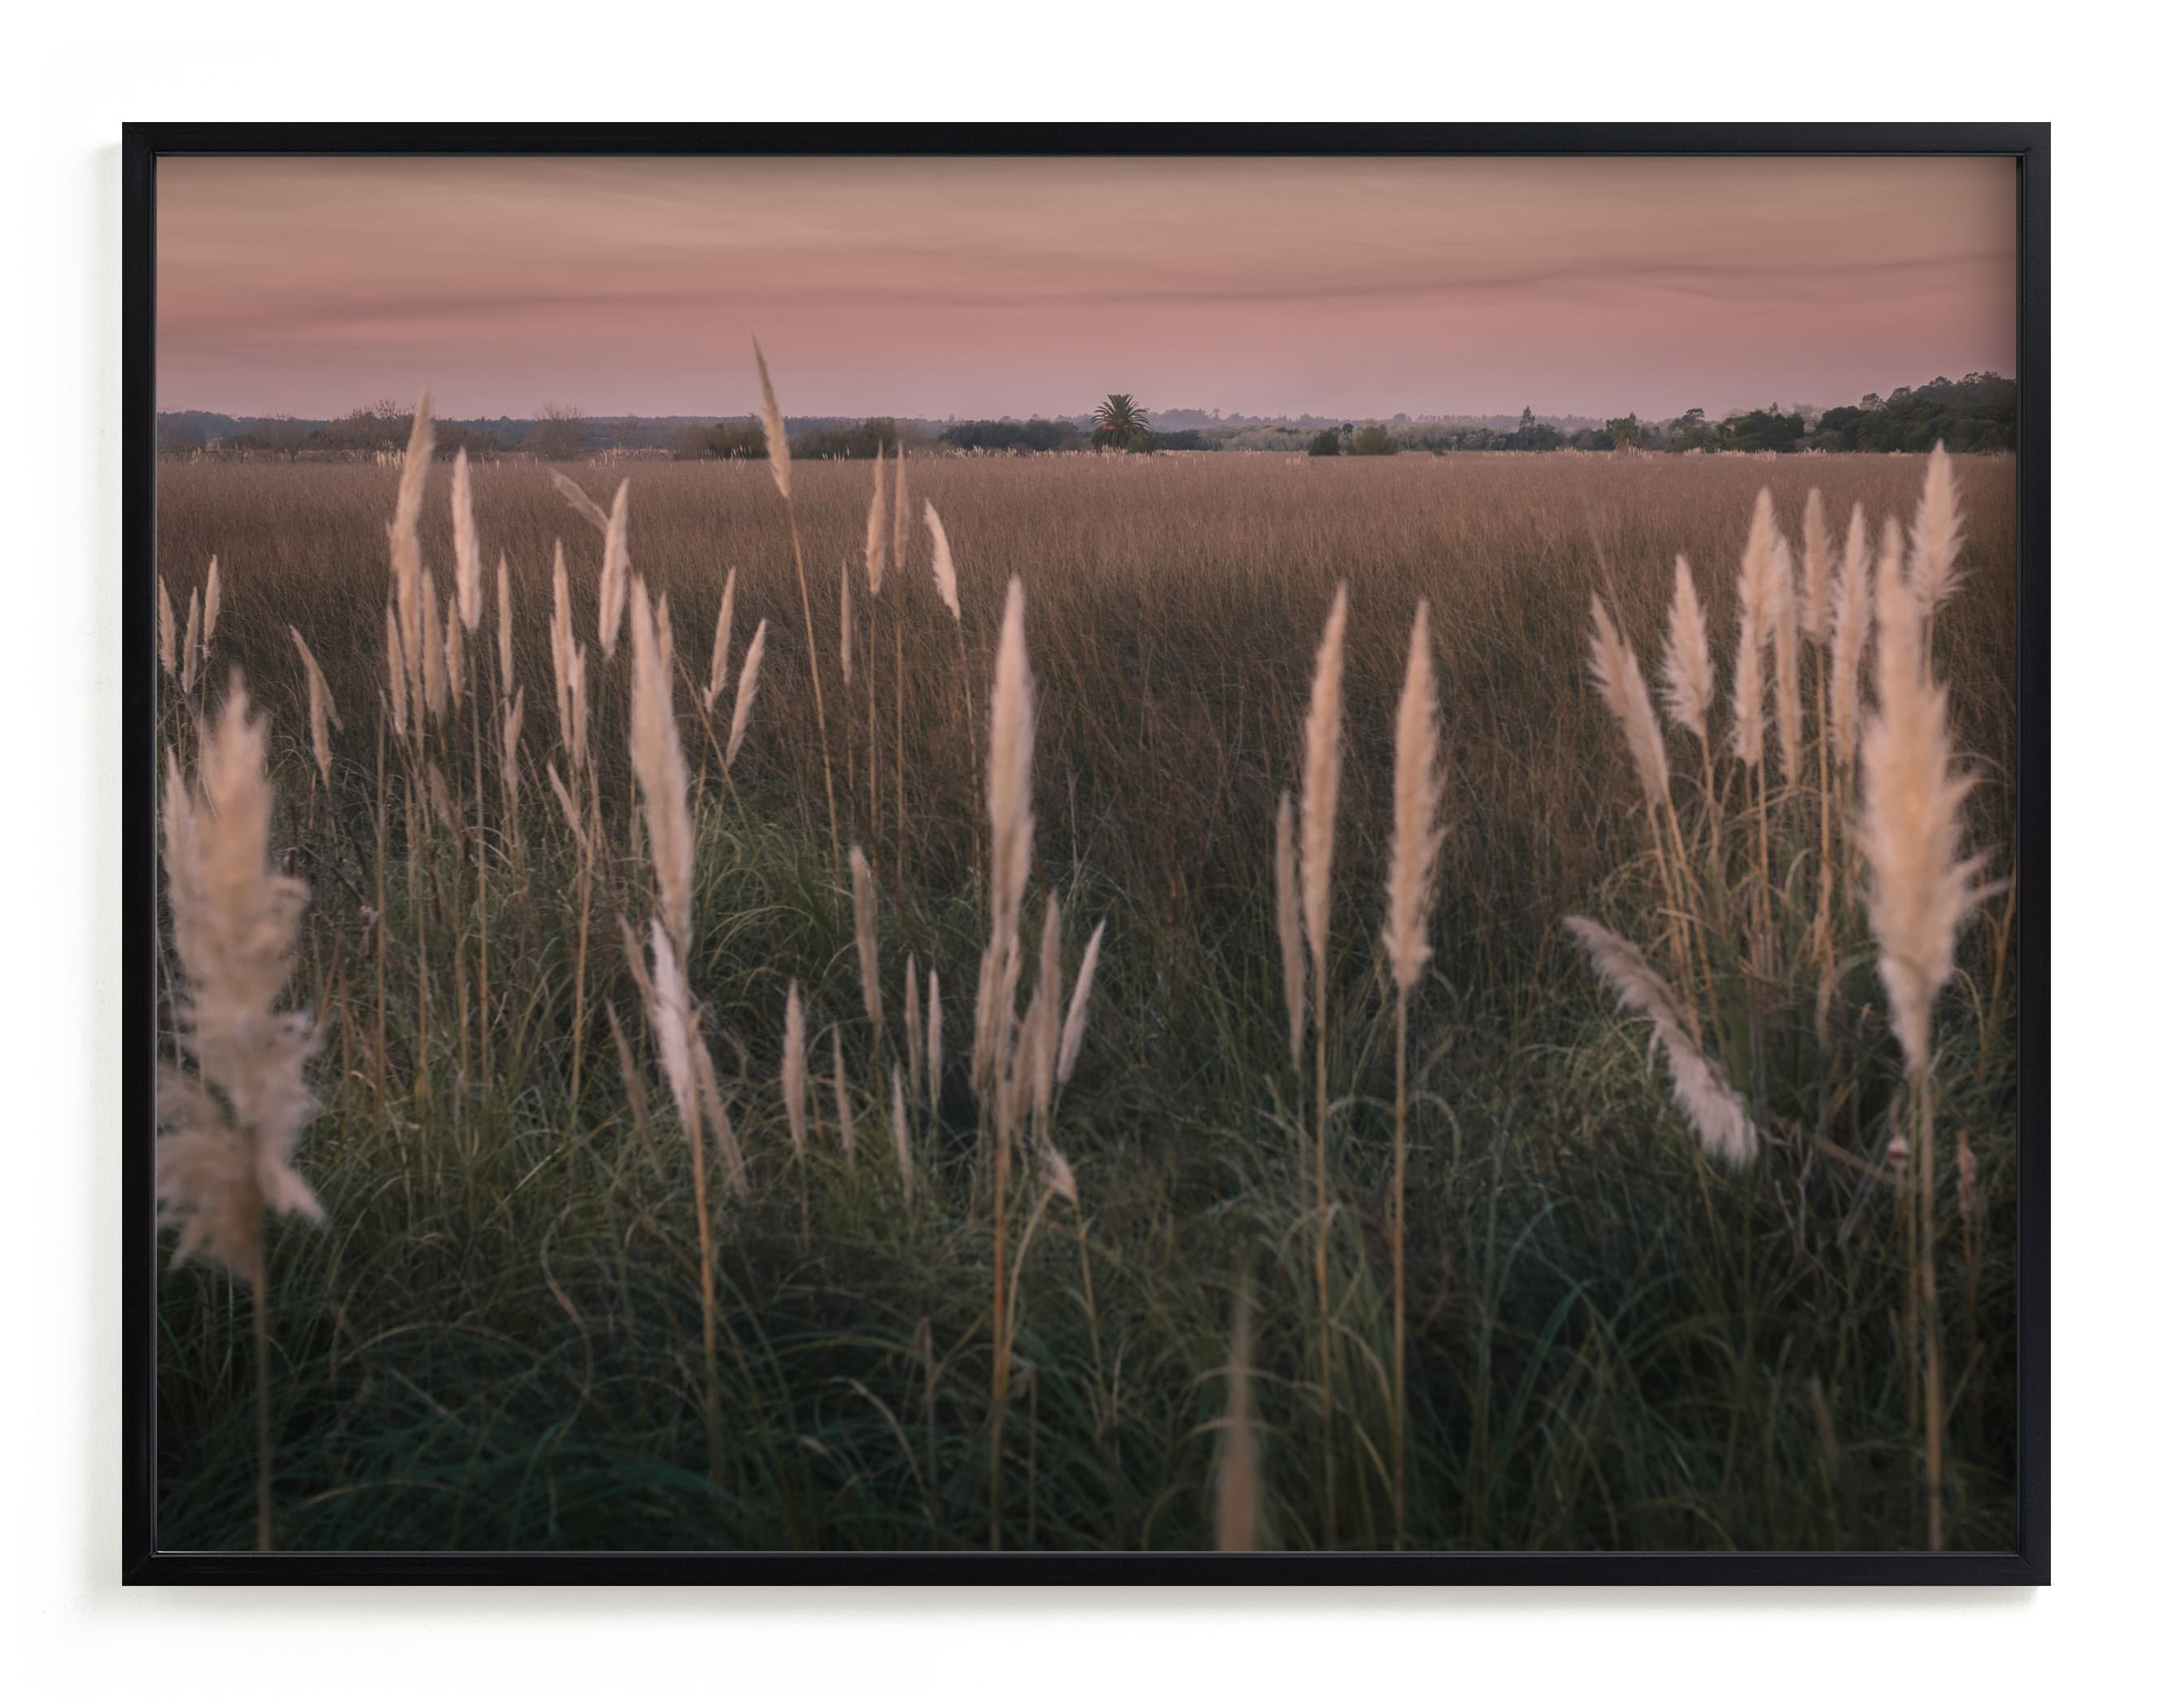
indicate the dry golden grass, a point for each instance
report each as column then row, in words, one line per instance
column 1204, row 634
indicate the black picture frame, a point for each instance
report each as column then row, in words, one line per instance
column 144, row 145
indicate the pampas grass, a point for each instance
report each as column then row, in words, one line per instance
column 1290, row 935
column 780, row 470
column 793, row 1075
column 721, row 647
column 935, row 1041
column 1713, row 1108
column 900, row 1137
column 1687, row 662
column 166, row 629
column 1316, row 812
column 611, row 589
column 946, row 575
column 580, row 503
column 743, row 699
column 864, row 938
column 1753, row 594
column 1414, row 849
column 1935, row 540
column 1075, row 1016
column 468, row 550
column 191, row 646
column 1922, row 887
column 1621, row 680
column 210, row 606
column 841, row 1095
column 321, row 709
column 1851, row 634
column 227, row 1133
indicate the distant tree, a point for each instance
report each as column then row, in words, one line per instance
column 1373, row 439
column 1625, row 430
column 1326, row 443
column 1118, row 419
column 852, row 442
column 627, row 433
column 559, row 433
column 1011, row 435
column 742, row 440
column 284, row 434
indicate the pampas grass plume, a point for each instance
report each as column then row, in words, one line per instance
column 660, row 768
column 581, row 503
column 1753, row 595
column 1622, row 683
column 1687, row 660
column 505, row 628
column 743, row 701
column 226, row 1148
column 795, row 1075
column 1851, row 630
column 1713, row 1107
column 165, row 628
column 845, row 1102
column 946, row 575
column 610, row 588
column 773, row 430
column 467, row 552
column 1075, row 1016
column 1323, row 775
column 878, row 540
column 721, row 647
column 863, row 935
column 1417, row 844
column 1011, row 772
column 935, row 1041
column 321, row 707
column 1935, row 538
column 1288, row 932
column 900, row 1137
column 1922, row 889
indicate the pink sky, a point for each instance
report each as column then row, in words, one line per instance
column 949, row 286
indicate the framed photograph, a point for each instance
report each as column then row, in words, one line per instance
column 987, row 853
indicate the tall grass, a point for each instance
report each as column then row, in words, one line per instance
column 1498, row 1296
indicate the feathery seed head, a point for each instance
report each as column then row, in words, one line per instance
column 772, row 431
column 721, row 647
column 1935, row 540
column 1622, row 684
column 1323, row 775
column 223, row 1160
column 1417, row 840
column 660, row 767
column 878, row 543
column 1851, row 633
column 467, row 550
column 946, row 575
column 611, row 589
column 1687, row 662
column 743, row 699
column 1010, row 772
column 1922, row 889
column 1075, row 1016
column 1713, row 1107
column 864, row 936
column 795, row 1075
column 1288, row 932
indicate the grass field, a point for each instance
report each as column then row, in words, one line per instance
column 497, row 1338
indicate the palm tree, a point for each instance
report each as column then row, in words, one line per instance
column 1118, row 420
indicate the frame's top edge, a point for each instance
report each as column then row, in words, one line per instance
column 1058, row 140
